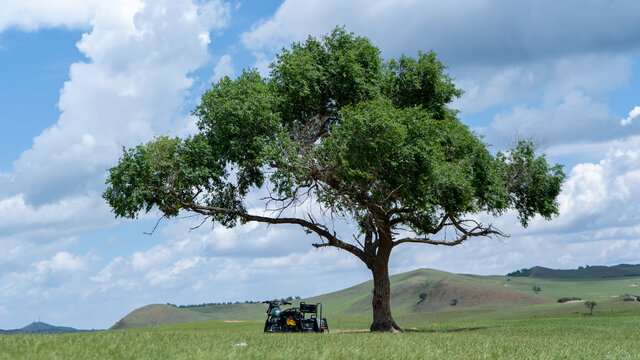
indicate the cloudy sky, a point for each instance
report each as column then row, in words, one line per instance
column 80, row 79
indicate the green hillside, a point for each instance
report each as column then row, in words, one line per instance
column 471, row 294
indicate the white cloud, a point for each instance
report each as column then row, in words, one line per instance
column 223, row 68
column 132, row 88
column 605, row 194
column 632, row 115
column 62, row 262
column 133, row 85
column 66, row 216
column 175, row 272
column 213, row 14
column 576, row 118
column 45, row 276
column 36, row 14
column 547, row 79
column 107, row 272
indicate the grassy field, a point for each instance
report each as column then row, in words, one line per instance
column 612, row 332
column 496, row 318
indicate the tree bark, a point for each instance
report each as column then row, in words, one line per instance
column 381, row 302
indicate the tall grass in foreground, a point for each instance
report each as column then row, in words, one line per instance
column 605, row 335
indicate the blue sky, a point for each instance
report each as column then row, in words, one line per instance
column 80, row 79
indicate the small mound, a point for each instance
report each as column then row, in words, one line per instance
column 153, row 315
column 471, row 295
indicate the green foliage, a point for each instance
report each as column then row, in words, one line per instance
column 365, row 139
column 317, row 78
column 420, row 82
column 590, row 305
column 336, row 119
column 431, row 165
column 588, row 272
column 521, row 169
column 521, row 272
column 565, row 299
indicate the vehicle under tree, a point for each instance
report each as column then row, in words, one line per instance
column 368, row 141
column 304, row 318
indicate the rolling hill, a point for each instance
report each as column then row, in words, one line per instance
column 442, row 289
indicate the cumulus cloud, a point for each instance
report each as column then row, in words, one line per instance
column 132, row 86
column 632, row 115
column 577, row 118
column 598, row 200
column 62, row 263
column 178, row 271
column 495, row 32
column 131, row 89
column 35, row 14
column 63, row 217
column 604, row 195
column 548, row 80
column 223, row 68
column 46, row 275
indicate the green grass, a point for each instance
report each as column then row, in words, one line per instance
column 611, row 333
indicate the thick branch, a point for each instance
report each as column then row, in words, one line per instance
column 420, row 226
column 321, row 230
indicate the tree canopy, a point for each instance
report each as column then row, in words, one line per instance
column 334, row 125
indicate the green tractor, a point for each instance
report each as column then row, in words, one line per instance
column 294, row 319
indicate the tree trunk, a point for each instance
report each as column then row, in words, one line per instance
column 382, row 319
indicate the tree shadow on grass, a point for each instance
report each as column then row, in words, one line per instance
column 447, row 330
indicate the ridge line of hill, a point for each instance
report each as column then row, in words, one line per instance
column 582, row 272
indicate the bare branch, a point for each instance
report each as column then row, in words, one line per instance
column 155, row 226
column 463, row 232
column 358, row 241
column 198, row 226
column 429, row 241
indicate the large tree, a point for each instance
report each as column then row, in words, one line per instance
column 348, row 135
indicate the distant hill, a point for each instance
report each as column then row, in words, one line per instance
column 441, row 288
column 588, row 272
column 42, row 328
